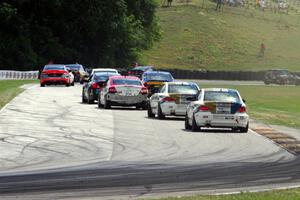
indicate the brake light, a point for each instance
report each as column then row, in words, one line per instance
column 112, row 90
column 204, row 108
column 144, row 90
column 95, row 86
column 168, row 99
column 130, row 73
column 242, row 109
column 146, row 85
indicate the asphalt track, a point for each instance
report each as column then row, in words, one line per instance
column 54, row 147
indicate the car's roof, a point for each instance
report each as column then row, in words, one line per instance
column 180, row 83
column 219, row 90
column 76, row 64
column 55, row 65
column 157, row 72
column 142, row 67
column 125, row 77
column 104, row 69
column 104, row 73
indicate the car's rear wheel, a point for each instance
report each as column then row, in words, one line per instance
column 160, row 114
column 244, row 129
column 83, row 98
column 42, row 85
column 194, row 126
column 99, row 102
column 149, row 111
column 106, row 104
column 187, row 126
column 90, row 99
column 73, row 83
column 68, row 85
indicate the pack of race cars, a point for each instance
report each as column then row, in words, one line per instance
column 159, row 94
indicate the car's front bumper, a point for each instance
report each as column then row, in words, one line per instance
column 52, row 80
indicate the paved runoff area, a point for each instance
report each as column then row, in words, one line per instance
column 49, row 129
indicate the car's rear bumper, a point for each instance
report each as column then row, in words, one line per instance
column 116, row 99
column 171, row 108
column 221, row 120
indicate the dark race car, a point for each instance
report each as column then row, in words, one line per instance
column 92, row 87
column 153, row 80
column 78, row 71
column 281, row 77
column 139, row 71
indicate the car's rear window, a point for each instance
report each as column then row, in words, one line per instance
column 126, row 82
column 187, row 89
column 158, row 77
column 222, row 96
column 74, row 67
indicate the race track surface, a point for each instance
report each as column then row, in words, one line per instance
column 54, row 147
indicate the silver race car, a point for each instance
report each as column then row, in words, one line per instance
column 217, row 107
column 172, row 99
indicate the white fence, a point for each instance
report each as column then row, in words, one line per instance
column 10, row 74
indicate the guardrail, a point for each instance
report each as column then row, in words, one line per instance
column 11, row 74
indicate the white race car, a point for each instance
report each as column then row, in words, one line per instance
column 217, row 107
column 172, row 99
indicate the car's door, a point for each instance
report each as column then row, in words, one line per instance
column 155, row 98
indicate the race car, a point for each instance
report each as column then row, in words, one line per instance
column 281, row 77
column 153, row 80
column 172, row 99
column 219, row 108
column 55, row 75
column 123, row 91
column 139, row 71
column 78, row 71
column 93, row 85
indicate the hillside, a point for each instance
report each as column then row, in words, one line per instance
column 196, row 37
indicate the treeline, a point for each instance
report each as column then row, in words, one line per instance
column 98, row 33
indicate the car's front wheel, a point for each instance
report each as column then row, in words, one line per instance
column 99, row 102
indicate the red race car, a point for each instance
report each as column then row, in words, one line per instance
column 123, row 91
column 56, row 75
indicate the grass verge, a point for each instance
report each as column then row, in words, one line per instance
column 293, row 194
column 278, row 105
column 11, row 88
column 196, row 37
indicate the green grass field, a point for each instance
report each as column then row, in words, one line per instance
column 271, row 104
column 201, row 38
column 273, row 195
column 11, row 88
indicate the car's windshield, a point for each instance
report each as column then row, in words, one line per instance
column 186, row 89
column 126, row 82
column 158, row 77
column 222, row 96
column 54, row 67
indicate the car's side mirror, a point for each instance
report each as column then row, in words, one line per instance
column 244, row 100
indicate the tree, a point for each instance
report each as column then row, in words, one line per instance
column 98, row 33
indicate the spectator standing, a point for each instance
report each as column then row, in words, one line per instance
column 262, row 50
column 219, row 4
